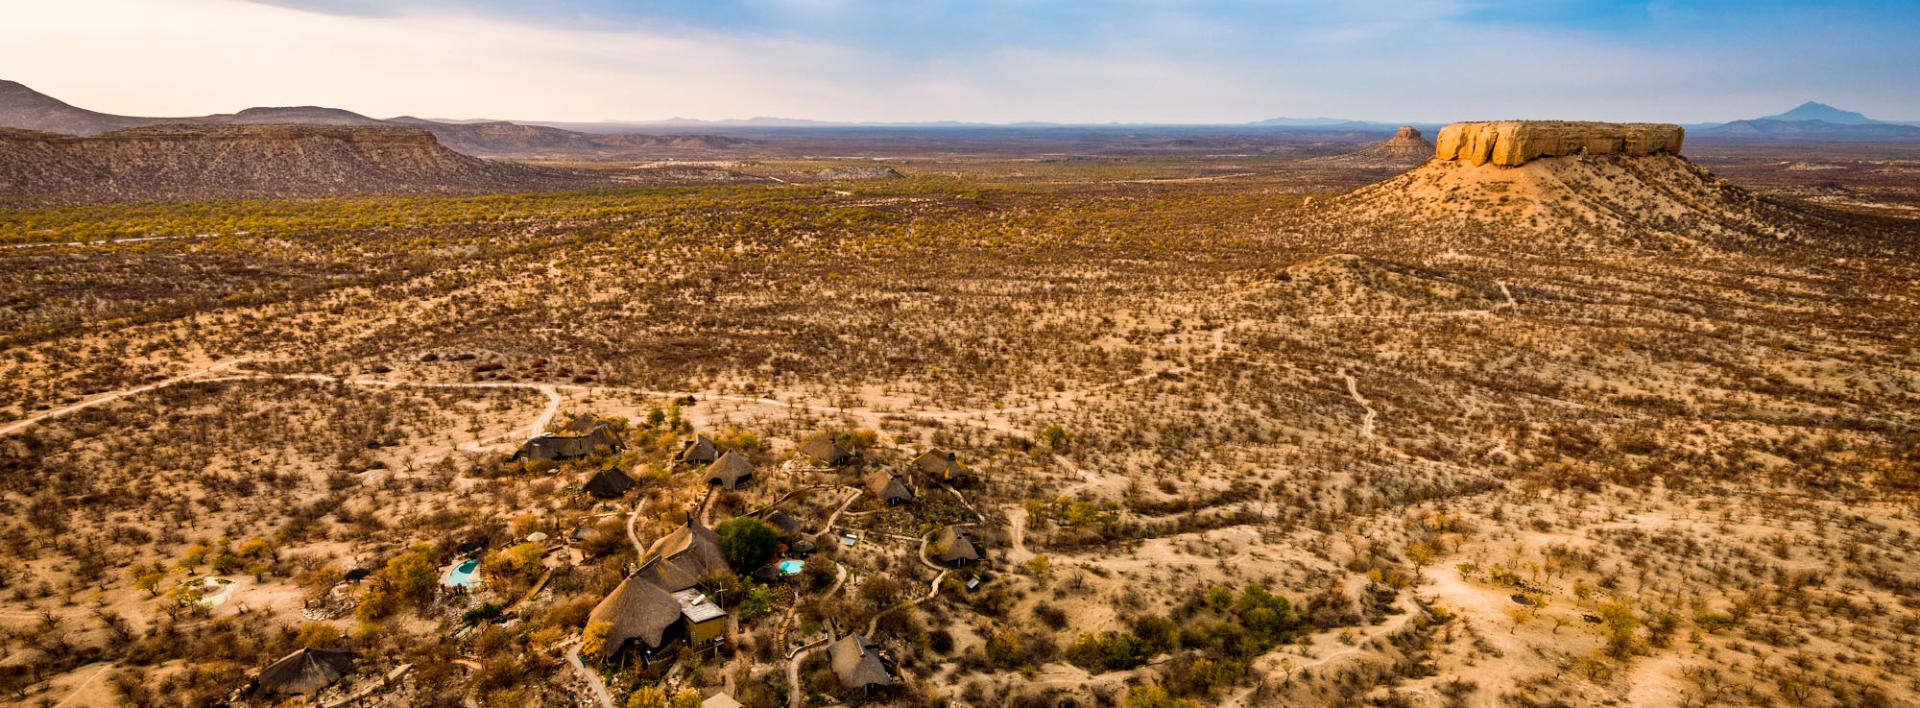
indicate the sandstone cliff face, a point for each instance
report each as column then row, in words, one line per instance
column 1576, row 203
column 1513, row 143
column 199, row 162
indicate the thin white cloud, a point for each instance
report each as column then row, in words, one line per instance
column 1167, row 62
column 187, row 57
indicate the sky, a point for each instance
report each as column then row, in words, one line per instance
column 1130, row 61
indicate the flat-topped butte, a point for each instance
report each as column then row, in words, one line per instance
column 1512, row 143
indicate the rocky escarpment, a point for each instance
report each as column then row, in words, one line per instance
column 230, row 161
column 1513, row 143
column 1557, row 186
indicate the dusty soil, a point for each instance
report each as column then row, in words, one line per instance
column 1398, row 410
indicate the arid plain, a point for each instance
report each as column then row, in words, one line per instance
column 1229, row 424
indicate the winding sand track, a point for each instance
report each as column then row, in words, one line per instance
column 796, row 696
column 826, row 529
column 546, row 416
column 933, row 588
column 82, row 688
column 104, row 242
column 1017, row 534
column 1366, row 421
column 633, row 537
column 993, row 418
column 600, row 695
column 110, row 397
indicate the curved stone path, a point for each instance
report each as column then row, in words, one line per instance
column 601, row 696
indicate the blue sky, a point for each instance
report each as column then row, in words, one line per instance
column 987, row 60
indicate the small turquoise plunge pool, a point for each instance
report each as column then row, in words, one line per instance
column 789, row 566
column 465, row 574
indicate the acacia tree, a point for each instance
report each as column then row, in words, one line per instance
column 1620, row 623
column 407, row 578
column 747, row 542
column 1421, row 555
column 593, row 639
column 1056, row 438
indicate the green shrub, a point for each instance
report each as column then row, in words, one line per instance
column 747, row 542
column 1108, row 651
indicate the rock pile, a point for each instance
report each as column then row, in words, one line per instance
column 1513, row 143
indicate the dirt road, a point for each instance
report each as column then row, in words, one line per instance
column 110, row 397
column 1017, row 534
column 1366, row 421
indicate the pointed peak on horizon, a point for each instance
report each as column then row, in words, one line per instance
column 1815, row 110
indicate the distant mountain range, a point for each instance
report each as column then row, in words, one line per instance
column 1813, row 110
column 24, row 108
column 1810, row 121
column 763, row 122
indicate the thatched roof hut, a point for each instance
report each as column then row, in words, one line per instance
column 942, row 466
column 730, row 471
column 889, row 488
column 580, row 425
column 826, row 451
column 667, row 575
column 953, row 546
column 698, row 451
column 553, row 448
column 858, row 664
column 609, row 483
column 304, row 672
column 693, row 548
column 783, row 522
column 767, row 574
column 636, row 611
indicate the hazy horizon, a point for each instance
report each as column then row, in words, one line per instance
column 1133, row 62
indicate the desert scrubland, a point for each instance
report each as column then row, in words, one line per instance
column 1243, row 429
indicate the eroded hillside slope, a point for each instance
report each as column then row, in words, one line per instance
column 202, row 162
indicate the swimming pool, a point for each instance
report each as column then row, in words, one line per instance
column 789, row 566
column 465, row 574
